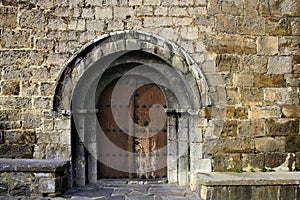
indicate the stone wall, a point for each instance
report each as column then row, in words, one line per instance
column 248, row 50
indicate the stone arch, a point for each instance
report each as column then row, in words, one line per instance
column 130, row 40
column 183, row 129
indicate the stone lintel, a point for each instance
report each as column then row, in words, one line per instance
column 248, row 178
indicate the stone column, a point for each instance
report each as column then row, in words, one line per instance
column 183, row 149
column 90, row 136
column 172, row 150
column 80, row 162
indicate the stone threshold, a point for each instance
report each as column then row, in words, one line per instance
column 133, row 181
column 248, row 178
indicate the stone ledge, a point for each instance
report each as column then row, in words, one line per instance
column 33, row 177
column 247, row 178
column 31, row 165
column 236, row 186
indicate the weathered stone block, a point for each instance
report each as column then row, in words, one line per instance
column 177, row 11
column 62, row 124
column 16, row 151
column 292, row 143
column 266, row 80
column 160, row 11
column 197, row 11
column 157, row 21
column 243, row 80
column 251, row 7
column 31, row 119
column 233, row 95
column 275, row 159
column 251, row 25
column 269, row 8
column 280, row 65
column 282, row 127
column 47, row 88
column 290, row 7
column 264, row 112
column 123, row 12
column 225, row 23
column 229, row 129
column 32, row 19
column 8, row 17
column 44, row 44
column 251, row 96
column 190, row 33
column 135, row 2
column 15, row 38
column 292, row 80
column 225, row 7
column 30, row 88
column 57, row 24
column 228, row 63
column 229, row 145
column 236, row 112
column 251, row 128
column 231, row 44
column 264, row 192
column 278, row 26
column 21, row 57
column 195, row 150
column 281, row 96
column 88, row 13
column 56, row 59
column 270, row 144
column 254, row 64
column 49, row 185
column 295, row 24
column 267, row 45
column 42, row 103
column 287, row 192
column 169, row 2
column 19, row 137
column 151, row 2
column 11, row 88
column 226, row 162
column 205, row 21
column 291, row 111
column 288, row 45
column 254, row 161
column 78, row 25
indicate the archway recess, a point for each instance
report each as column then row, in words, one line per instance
column 97, row 63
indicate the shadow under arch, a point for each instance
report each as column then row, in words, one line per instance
column 92, row 68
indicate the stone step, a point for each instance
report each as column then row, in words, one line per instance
column 236, row 186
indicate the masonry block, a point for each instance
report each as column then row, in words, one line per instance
column 269, row 144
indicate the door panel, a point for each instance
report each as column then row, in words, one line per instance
column 149, row 137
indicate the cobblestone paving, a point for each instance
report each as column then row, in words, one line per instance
column 123, row 190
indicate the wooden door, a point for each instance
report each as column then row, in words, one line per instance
column 146, row 147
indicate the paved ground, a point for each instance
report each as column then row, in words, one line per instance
column 124, row 190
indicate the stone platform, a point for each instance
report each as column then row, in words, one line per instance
column 33, row 177
column 121, row 190
column 250, row 186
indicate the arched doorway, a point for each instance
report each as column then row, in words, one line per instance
column 144, row 144
column 108, row 58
